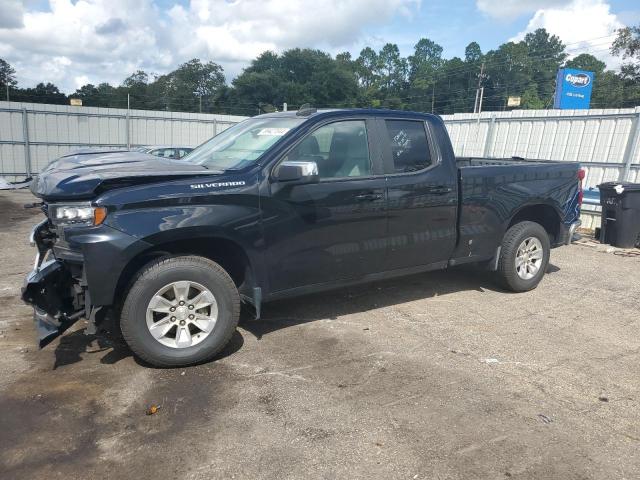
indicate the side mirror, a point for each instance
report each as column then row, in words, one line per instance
column 297, row 171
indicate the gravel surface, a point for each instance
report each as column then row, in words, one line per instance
column 434, row 376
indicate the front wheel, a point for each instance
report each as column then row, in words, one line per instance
column 524, row 256
column 180, row 311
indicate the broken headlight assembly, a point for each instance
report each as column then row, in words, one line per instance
column 77, row 214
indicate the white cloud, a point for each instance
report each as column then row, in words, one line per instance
column 509, row 9
column 585, row 26
column 80, row 81
column 11, row 14
column 106, row 40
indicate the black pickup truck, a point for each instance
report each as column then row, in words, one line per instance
column 280, row 205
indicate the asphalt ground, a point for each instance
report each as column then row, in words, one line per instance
column 434, row 376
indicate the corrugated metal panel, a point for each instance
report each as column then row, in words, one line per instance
column 57, row 129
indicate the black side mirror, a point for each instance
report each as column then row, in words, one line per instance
column 297, row 171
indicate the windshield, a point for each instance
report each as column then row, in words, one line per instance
column 241, row 145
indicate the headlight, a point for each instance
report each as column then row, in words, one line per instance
column 79, row 214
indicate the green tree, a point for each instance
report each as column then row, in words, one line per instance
column 627, row 45
column 7, row 75
column 103, row 95
column 509, row 73
column 41, row 93
column 425, row 65
column 136, row 86
column 265, row 62
column 393, row 69
column 88, row 94
column 472, row 53
column 546, row 53
column 193, row 86
column 453, row 92
column 297, row 76
column 426, row 59
column 530, row 98
column 367, row 68
column 586, row 61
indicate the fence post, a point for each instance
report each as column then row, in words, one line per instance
column 489, row 138
column 27, row 146
column 215, row 127
column 632, row 145
column 128, row 135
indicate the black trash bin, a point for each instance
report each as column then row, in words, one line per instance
column 620, row 214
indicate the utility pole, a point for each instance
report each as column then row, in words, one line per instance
column 477, row 106
column 7, row 91
column 200, row 103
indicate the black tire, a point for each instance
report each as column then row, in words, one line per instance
column 506, row 272
column 155, row 276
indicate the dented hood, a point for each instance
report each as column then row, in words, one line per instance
column 85, row 175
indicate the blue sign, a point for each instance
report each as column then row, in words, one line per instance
column 573, row 89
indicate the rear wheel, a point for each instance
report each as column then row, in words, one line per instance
column 524, row 256
column 180, row 311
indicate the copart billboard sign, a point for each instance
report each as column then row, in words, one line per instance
column 573, row 89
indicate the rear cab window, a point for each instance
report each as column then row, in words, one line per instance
column 409, row 144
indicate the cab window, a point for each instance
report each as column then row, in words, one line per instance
column 409, row 145
column 340, row 150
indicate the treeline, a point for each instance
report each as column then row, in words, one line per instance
column 423, row 81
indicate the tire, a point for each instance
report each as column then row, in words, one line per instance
column 509, row 275
column 193, row 275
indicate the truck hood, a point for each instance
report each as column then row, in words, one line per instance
column 83, row 176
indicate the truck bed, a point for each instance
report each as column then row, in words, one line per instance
column 492, row 191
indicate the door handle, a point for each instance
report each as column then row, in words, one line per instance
column 439, row 190
column 368, row 197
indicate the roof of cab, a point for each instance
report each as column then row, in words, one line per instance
column 347, row 111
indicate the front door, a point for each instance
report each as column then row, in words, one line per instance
column 334, row 229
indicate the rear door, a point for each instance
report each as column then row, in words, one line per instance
column 422, row 195
column 334, row 229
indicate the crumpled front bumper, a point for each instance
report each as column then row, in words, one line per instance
column 48, row 289
column 53, row 292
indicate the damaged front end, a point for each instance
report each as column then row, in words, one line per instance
column 54, row 288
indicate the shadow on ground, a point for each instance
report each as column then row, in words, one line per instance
column 286, row 313
column 346, row 301
column 73, row 346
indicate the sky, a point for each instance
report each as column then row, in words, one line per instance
column 74, row 42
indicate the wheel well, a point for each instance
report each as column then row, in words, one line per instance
column 228, row 254
column 545, row 215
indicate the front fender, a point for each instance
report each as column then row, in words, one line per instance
column 238, row 224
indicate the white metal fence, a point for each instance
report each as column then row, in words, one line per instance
column 33, row 134
column 605, row 142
